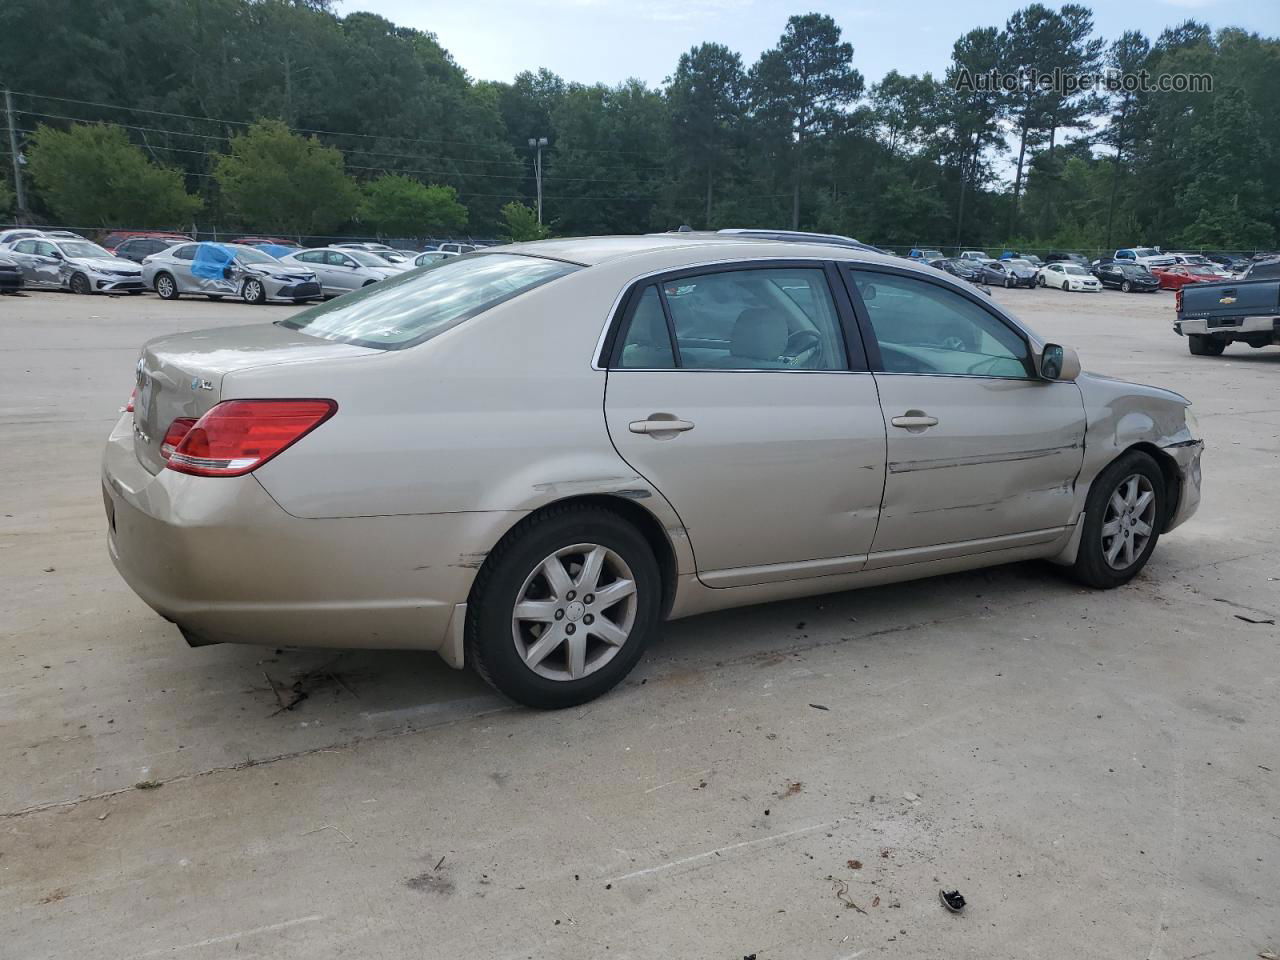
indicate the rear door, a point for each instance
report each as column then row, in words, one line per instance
column 981, row 452
column 739, row 394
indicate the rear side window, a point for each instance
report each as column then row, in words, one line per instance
column 185, row 253
column 646, row 343
column 415, row 306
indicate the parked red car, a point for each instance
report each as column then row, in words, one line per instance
column 117, row 237
column 259, row 241
column 1175, row 278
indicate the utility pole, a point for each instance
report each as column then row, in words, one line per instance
column 537, row 143
column 17, row 164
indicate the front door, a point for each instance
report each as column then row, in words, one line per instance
column 981, row 452
column 739, row 397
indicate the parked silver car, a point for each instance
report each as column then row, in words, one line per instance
column 11, row 236
column 528, row 458
column 219, row 270
column 342, row 269
column 75, row 265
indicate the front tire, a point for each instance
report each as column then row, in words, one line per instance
column 166, row 288
column 80, row 285
column 1123, row 515
column 1126, row 287
column 1066, row 286
column 563, row 607
column 253, row 292
column 1203, row 346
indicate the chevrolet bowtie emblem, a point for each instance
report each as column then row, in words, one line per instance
column 1227, row 300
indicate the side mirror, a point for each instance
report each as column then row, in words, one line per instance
column 1059, row 363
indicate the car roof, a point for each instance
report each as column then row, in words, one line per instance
column 696, row 247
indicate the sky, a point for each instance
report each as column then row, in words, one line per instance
column 612, row 40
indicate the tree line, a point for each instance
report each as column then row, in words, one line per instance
column 283, row 116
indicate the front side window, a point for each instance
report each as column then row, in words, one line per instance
column 925, row 328
column 415, row 306
column 767, row 318
column 311, row 256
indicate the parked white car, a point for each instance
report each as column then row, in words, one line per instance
column 1147, row 256
column 1066, row 275
column 342, row 269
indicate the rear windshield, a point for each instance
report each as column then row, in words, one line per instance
column 417, row 305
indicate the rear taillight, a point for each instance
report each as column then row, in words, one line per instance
column 173, row 436
column 238, row 436
column 128, row 407
column 1177, row 300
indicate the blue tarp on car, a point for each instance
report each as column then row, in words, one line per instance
column 277, row 250
column 211, row 261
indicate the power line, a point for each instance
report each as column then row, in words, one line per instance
column 329, row 133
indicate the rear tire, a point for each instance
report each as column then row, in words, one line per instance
column 1103, row 513
column 1205, row 346
column 502, row 646
column 166, row 287
column 80, row 285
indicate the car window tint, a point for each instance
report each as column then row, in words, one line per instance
column 768, row 318
column 45, row 248
column 25, row 246
column 646, row 342
column 310, row 256
column 185, row 253
column 923, row 327
column 335, row 259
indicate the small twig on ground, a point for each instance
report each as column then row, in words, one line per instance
column 329, row 826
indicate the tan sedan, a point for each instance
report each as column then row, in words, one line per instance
column 528, row 457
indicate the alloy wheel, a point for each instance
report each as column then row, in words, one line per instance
column 574, row 612
column 253, row 291
column 164, row 287
column 1129, row 521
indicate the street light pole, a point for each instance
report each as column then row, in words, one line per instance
column 537, row 143
column 17, row 159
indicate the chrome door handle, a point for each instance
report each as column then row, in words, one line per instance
column 914, row 419
column 659, row 425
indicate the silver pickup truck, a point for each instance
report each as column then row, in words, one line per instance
column 1212, row 315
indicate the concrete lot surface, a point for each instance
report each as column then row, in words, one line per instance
column 1098, row 773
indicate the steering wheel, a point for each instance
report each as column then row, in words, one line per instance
column 802, row 346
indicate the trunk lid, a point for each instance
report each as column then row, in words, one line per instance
column 181, row 375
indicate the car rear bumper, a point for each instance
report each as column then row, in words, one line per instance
column 10, row 280
column 219, row 558
column 1226, row 325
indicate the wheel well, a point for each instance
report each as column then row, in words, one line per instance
column 1172, row 479
column 640, row 518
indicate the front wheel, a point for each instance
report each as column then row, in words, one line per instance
column 1126, row 286
column 563, row 607
column 253, row 291
column 80, row 284
column 1122, row 519
column 1041, row 281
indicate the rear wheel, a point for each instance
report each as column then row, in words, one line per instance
column 166, row 288
column 253, row 291
column 1122, row 519
column 1203, row 346
column 563, row 607
column 80, row 284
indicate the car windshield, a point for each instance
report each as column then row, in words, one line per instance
column 932, row 254
column 1075, row 270
column 417, row 305
column 250, row 255
column 1134, row 270
column 82, row 248
column 365, row 259
column 1146, row 252
column 1197, row 271
column 1025, row 265
column 389, row 256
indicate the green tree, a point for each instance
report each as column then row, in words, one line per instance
column 802, row 87
column 90, row 175
column 971, row 116
column 400, row 206
column 707, row 95
column 1126, row 55
column 6, row 198
column 522, row 222
column 278, row 181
